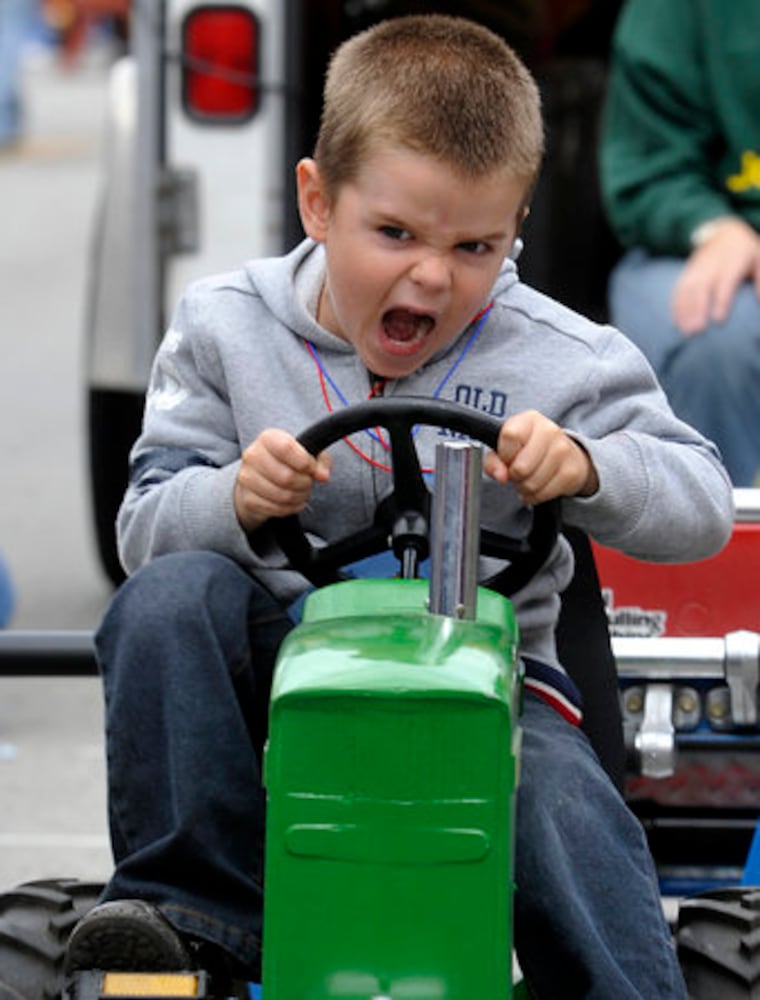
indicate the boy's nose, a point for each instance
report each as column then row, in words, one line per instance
column 432, row 271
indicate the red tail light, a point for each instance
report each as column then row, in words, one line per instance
column 220, row 63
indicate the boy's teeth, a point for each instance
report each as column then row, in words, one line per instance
column 402, row 325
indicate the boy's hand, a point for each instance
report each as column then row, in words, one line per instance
column 275, row 478
column 540, row 460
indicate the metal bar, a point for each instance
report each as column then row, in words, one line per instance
column 695, row 657
column 72, row 652
column 660, row 657
column 747, row 505
column 455, row 529
column 47, row 654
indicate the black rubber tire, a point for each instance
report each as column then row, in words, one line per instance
column 114, row 422
column 718, row 939
column 36, row 919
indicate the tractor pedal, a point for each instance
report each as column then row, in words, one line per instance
column 99, row 985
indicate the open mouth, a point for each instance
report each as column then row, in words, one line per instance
column 405, row 331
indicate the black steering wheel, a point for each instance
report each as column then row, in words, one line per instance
column 401, row 520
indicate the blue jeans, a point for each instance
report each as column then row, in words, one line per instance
column 588, row 915
column 7, row 597
column 187, row 650
column 712, row 379
column 16, row 21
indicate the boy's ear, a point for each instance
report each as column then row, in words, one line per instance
column 313, row 203
column 521, row 217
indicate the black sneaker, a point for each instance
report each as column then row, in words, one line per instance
column 127, row 935
column 131, row 935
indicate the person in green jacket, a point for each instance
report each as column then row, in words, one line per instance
column 680, row 175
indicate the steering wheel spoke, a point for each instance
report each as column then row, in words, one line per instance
column 410, row 489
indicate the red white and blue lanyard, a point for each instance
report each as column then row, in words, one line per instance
column 326, row 379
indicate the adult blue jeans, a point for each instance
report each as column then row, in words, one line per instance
column 712, row 378
column 16, row 21
column 186, row 652
column 7, row 597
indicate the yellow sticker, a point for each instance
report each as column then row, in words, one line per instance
column 150, row 984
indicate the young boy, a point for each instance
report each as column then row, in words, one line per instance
column 430, row 143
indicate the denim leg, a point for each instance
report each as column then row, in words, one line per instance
column 588, row 918
column 640, row 291
column 186, row 651
column 720, row 365
column 16, row 21
column 7, row 596
column 712, row 379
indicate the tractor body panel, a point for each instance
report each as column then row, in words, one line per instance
column 391, row 771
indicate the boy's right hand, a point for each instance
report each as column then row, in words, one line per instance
column 275, row 478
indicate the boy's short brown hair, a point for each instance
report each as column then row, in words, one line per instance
column 443, row 86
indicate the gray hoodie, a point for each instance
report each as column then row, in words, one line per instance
column 244, row 353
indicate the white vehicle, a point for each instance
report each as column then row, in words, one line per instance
column 194, row 182
column 208, row 115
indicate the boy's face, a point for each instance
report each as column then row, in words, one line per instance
column 413, row 250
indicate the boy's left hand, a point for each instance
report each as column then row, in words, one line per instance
column 540, row 460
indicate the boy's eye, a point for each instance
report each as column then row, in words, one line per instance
column 477, row 247
column 395, row 232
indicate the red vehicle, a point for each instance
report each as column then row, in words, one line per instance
column 686, row 640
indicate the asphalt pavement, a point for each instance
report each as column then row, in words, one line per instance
column 52, row 785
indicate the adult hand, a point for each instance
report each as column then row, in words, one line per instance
column 711, row 276
column 275, row 478
column 540, row 460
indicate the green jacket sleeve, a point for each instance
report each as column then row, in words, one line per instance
column 659, row 137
